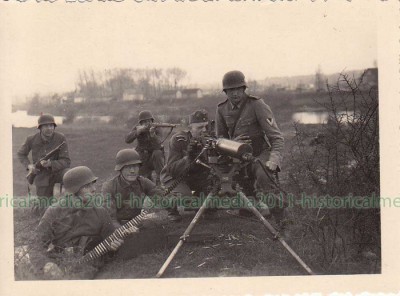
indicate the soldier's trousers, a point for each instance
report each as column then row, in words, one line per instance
column 45, row 192
column 266, row 190
column 152, row 160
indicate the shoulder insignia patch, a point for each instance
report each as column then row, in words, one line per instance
column 270, row 121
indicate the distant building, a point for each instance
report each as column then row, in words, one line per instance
column 192, row 93
column 171, row 94
column 132, row 95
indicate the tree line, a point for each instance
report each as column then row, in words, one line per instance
column 150, row 82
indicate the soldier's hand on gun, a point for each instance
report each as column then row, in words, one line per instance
column 116, row 243
column 31, row 168
column 46, row 163
column 131, row 230
column 272, row 166
column 152, row 131
column 142, row 129
column 243, row 139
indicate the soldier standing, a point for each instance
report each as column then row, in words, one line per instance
column 51, row 171
column 70, row 228
column 149, row 145
column 183, row 149
column 243, row 117
column 124, row 194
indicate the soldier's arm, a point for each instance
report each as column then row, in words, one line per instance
column 220, row 126
column 23, row 152
column 150, row 189
column 177, row 161
column 131, row 136
column 63, row 160
column 266, row 120
column 108, row 225
column 109, row 202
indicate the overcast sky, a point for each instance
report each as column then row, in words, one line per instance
column 44, row 45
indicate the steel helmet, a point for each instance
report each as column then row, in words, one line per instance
column 233, row 79
column 46, row 119
column 144, row 115
column 77, row 177
column 126, row 157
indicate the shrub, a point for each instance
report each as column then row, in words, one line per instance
column 341, row 159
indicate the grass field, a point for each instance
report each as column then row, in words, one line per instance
column 237, row 247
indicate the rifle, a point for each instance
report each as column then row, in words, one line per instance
column 162, row 124
column 31, row 175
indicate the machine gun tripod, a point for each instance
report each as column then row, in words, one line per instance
column 225, row 159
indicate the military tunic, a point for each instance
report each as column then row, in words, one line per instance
column 150, row 150
column 46, row 177
column 124, row 200
column 258, row 122
column 68, row 224
column 178, row 161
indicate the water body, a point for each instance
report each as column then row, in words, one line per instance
column 319, row 117
column 21, row 118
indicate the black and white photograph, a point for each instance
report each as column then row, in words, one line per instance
column 228, row 143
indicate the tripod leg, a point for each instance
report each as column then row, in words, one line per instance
column 185, row 234
column 274, row 232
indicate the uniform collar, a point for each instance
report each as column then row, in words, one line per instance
column 237, row 107
column 125, row 184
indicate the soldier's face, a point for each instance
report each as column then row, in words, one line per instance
column 87, row 192
column 146, row 122
column 130, row 172
column 47, row 129
column 235, row 95
column 198, row 129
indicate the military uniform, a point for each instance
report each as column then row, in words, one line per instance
column 46, row 177
column 71, row 230
column 150, row 150
column 124, row 199
column 196, row 179
column 258, row 122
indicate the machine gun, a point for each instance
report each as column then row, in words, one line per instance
column 31, row 175
column 225, row 158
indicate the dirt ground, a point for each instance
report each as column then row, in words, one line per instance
column 231, row 246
